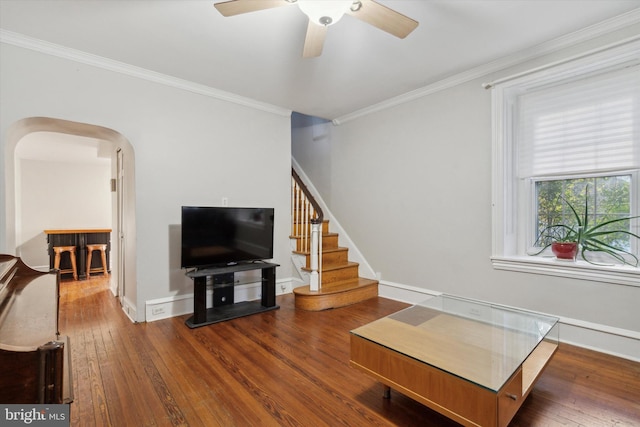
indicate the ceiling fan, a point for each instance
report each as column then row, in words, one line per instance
column 323, row 13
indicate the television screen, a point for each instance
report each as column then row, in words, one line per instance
column 213, row 236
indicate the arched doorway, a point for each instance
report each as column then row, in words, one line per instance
column 123, row 211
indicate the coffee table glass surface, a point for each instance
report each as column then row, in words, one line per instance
column 476, row 341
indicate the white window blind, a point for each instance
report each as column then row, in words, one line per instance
column 580, row 126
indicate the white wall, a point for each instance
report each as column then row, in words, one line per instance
column 412, row 185
column 59, row 195
column 190, row 148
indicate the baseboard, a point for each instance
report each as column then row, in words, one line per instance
column 129, row 309
column 616, row 342
column 164, row 308
column 404, row 293
column 602, row 338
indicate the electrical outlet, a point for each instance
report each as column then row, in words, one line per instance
column 157, row 310
column 225, row 201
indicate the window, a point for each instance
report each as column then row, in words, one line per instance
column 568, row 134
column 601, row 199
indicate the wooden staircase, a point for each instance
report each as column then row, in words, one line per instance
column 340, row 284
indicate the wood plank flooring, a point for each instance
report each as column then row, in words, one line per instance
column 287, row 368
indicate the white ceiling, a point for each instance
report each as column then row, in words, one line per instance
column 64, row 148
column 258, row 55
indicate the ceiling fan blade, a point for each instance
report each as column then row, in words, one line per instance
column 384, row 18
column 314, row 40
column 237, row 7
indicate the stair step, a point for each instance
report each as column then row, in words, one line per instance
column 338, row 294
column 338, row 273
column 339, row 277
column 329, row 241
column 330, row 257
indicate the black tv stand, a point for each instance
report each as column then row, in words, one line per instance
column 203, row 316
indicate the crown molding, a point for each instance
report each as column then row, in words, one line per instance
column 605, row 27
column 630, row 18
column 47, row 48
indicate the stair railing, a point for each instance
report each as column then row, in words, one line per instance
column 306, row 223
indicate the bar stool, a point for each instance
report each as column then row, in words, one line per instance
column 72, row 254
column 102, row 247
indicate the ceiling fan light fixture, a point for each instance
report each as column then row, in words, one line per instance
column 324, row 12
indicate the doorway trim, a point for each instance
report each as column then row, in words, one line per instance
column 123, row 230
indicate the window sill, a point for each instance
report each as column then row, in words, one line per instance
column 618, row 275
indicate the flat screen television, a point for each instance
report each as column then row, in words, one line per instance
column 218, row 236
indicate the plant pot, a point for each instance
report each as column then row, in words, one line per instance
column 565, row 250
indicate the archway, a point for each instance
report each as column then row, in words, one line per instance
column 122, row 156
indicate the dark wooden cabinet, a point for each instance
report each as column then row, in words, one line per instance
column 80, row 239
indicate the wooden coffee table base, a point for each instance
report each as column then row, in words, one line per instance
column 461, row 400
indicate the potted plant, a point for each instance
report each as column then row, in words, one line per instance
column 582, row 236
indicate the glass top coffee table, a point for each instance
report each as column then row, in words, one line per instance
column 472, row 361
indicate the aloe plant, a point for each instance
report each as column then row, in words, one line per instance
column 589, row 237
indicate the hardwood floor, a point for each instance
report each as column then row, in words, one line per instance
column 287, row 367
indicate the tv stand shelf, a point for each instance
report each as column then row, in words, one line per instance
column 228, row 310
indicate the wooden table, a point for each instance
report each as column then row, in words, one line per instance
column 472, row 362
column 79, row 238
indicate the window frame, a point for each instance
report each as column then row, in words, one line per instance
column 513, row 198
